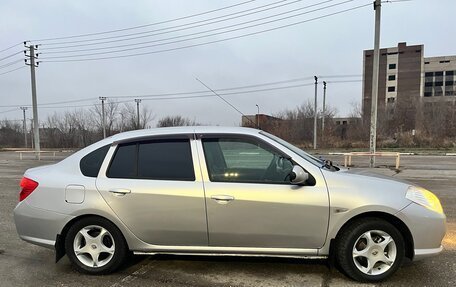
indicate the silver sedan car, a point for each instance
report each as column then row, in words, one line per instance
column 227, row 191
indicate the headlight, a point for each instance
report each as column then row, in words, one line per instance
column 425, row 198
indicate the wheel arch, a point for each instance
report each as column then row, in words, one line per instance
column 395, row 221
column 60, row 239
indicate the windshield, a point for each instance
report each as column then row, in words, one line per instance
column 300, row 152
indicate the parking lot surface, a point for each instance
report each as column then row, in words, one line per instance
column 23, row 264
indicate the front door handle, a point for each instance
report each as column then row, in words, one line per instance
column 222, row 199
column 120, row 191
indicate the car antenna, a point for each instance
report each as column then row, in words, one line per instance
column 223, row 99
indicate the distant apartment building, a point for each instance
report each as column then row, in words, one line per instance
column 408, row 82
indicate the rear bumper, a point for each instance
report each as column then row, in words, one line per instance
column 38, row 226
column 424, row 253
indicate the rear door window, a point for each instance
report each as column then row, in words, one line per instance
column 166, row 160
column 154, row 159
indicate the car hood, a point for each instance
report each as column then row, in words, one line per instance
column 373, row 174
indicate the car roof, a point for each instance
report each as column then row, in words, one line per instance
column 183, row 130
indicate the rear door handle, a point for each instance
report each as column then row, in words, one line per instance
column 120, row 191
column 222, row 199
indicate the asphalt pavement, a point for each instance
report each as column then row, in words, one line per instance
column 23, row 264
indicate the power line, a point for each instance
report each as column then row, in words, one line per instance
column 10, row 47
column 191, row 34
column 11, row 55
column 211, row 42
column 164, row 95
column 8, row 111
column 10, row 71
column 202, row 32
column 11, row 63
column 142, row 26
column 177, row 26
column 176, row 96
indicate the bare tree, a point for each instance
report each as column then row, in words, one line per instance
column 174, row 121
column 111, row 114
column 128, row 118
column 11, row 134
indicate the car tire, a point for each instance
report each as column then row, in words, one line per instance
column 95, row 246
column 370, row 250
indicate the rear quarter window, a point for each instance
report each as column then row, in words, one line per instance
column 91, row 163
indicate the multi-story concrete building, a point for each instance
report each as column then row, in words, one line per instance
column 439, row 79
column 407, row 83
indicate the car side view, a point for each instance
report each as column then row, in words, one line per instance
column 227, row 191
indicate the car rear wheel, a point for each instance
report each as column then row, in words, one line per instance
column 95, row 246
column 370, row 250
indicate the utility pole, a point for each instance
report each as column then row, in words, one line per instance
column 137, row 112
column 24, row 126
column 375, row 72
column 315, row 114
column 32, row 130
column 103, row 120
column 258, row 116
column 324, row 111
column 36, row 129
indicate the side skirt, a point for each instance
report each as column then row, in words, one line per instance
column 233, row 251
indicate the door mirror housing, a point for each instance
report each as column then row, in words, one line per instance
column 298, row 175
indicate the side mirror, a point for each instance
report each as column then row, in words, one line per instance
column 298, row 175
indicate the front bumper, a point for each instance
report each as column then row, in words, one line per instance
column 38, row 226
column 427, row 228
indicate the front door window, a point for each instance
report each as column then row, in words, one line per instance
column 245, row 160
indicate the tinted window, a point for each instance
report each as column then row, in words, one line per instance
column 391, row 78
column 238, row 160
column 166, row 160
column 123, row 164
column 392, row 66
column 160, row 159
column 391, row 89
column 91, row 163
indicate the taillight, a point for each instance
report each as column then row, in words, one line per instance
column 27, row 187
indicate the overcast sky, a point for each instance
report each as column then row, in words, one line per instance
column 326, row 46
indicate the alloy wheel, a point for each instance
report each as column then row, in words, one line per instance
column 374, row 252
column 94, row 246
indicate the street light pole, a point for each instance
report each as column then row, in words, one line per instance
column 137, row 112
column 258, row 116
column 375, row 72
column 24, row 126
column 315, row 115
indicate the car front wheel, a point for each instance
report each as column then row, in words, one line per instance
column 95, row 246
column 370, row 250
